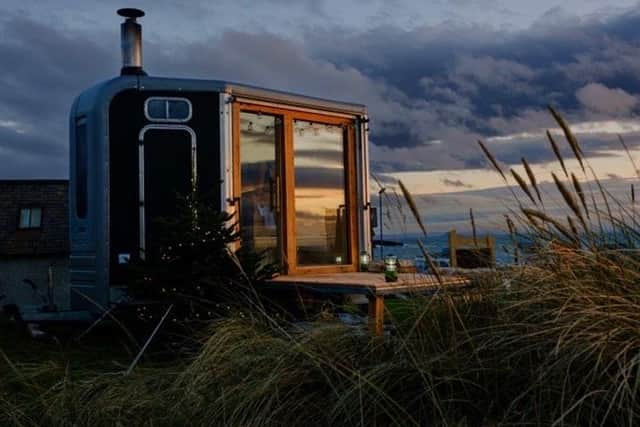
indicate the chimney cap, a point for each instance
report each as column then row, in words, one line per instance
column 129, row 12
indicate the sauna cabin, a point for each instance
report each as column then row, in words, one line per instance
column 292, row 169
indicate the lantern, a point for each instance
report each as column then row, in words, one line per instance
column 364, row 261
column 391, row 268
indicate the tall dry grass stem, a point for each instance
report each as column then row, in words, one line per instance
column 493, row 160
column 570, row 200
column 571, row 138
column 432, row 265
column 532, row 178
column 523, row 185
column 572, row 226
column 603, row 193
column 626, row 150
column 413, row 207
column 532, row 213
column 580, row 193
column 512, row 236
column 556, row 151
column 473, row 227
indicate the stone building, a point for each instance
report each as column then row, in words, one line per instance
column 34, row 244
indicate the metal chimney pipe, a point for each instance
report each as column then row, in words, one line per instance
column 131, row 42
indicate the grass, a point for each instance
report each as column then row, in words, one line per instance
column 555, row 341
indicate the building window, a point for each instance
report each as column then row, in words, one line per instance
column 30, row 218
column 157, row 109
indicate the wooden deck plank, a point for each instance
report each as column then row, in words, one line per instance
column 367, row 283
column 373, row 285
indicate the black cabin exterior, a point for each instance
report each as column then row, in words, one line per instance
column 137, row 141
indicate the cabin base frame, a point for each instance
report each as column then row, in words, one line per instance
column 371, row 285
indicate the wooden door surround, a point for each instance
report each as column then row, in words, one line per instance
column 288, row 115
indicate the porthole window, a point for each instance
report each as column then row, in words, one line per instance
column 160, row 109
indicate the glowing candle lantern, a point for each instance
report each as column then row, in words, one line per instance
column 391, row 268
column 364, row 261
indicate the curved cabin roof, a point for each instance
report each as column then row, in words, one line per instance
column 103, row 92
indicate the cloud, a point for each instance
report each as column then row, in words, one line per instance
column 43, row 68
column 432, row 90
column 597, row 97
column 456, row 183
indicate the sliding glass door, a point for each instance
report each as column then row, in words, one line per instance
column 295, row 184
column 320, row 194
column 260, row 192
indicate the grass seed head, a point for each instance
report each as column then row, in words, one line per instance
column 492, row 159
column 532, row 178
column 570, row 200
column 523, row 185
column 571, row 138
column 556, row 151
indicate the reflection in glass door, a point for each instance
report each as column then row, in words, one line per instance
column 319, row 195
column 260, row 194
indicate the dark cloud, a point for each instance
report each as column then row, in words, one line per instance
column 43, row 68
column 462, row 83
column 432, row 91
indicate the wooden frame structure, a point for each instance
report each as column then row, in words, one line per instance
column 371, row 285
column 287, row 171
column 478, row 247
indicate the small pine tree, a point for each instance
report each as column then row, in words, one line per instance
column 191, row 266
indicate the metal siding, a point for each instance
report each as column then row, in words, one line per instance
column 226, row 152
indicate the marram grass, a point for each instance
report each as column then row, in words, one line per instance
column 555, row 341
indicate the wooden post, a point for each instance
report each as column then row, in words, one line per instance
column 453, row 260
column 376, row 315
column 491, row 243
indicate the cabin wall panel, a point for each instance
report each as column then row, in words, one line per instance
column 126, row 119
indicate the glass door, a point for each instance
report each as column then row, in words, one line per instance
column 295, row 184
column 321, row 220
column 260, row 145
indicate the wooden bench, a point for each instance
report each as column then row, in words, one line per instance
column 471, row 252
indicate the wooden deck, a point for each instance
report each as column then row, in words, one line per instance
column 373, row 285
column 368, row 283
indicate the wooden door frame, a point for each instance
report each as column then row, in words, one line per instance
column 287, row 172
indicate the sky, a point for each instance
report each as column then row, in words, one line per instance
column 436, row 76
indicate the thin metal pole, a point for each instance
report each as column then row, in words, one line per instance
column 382, row 190
column 146, row 344
column 94, row 324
